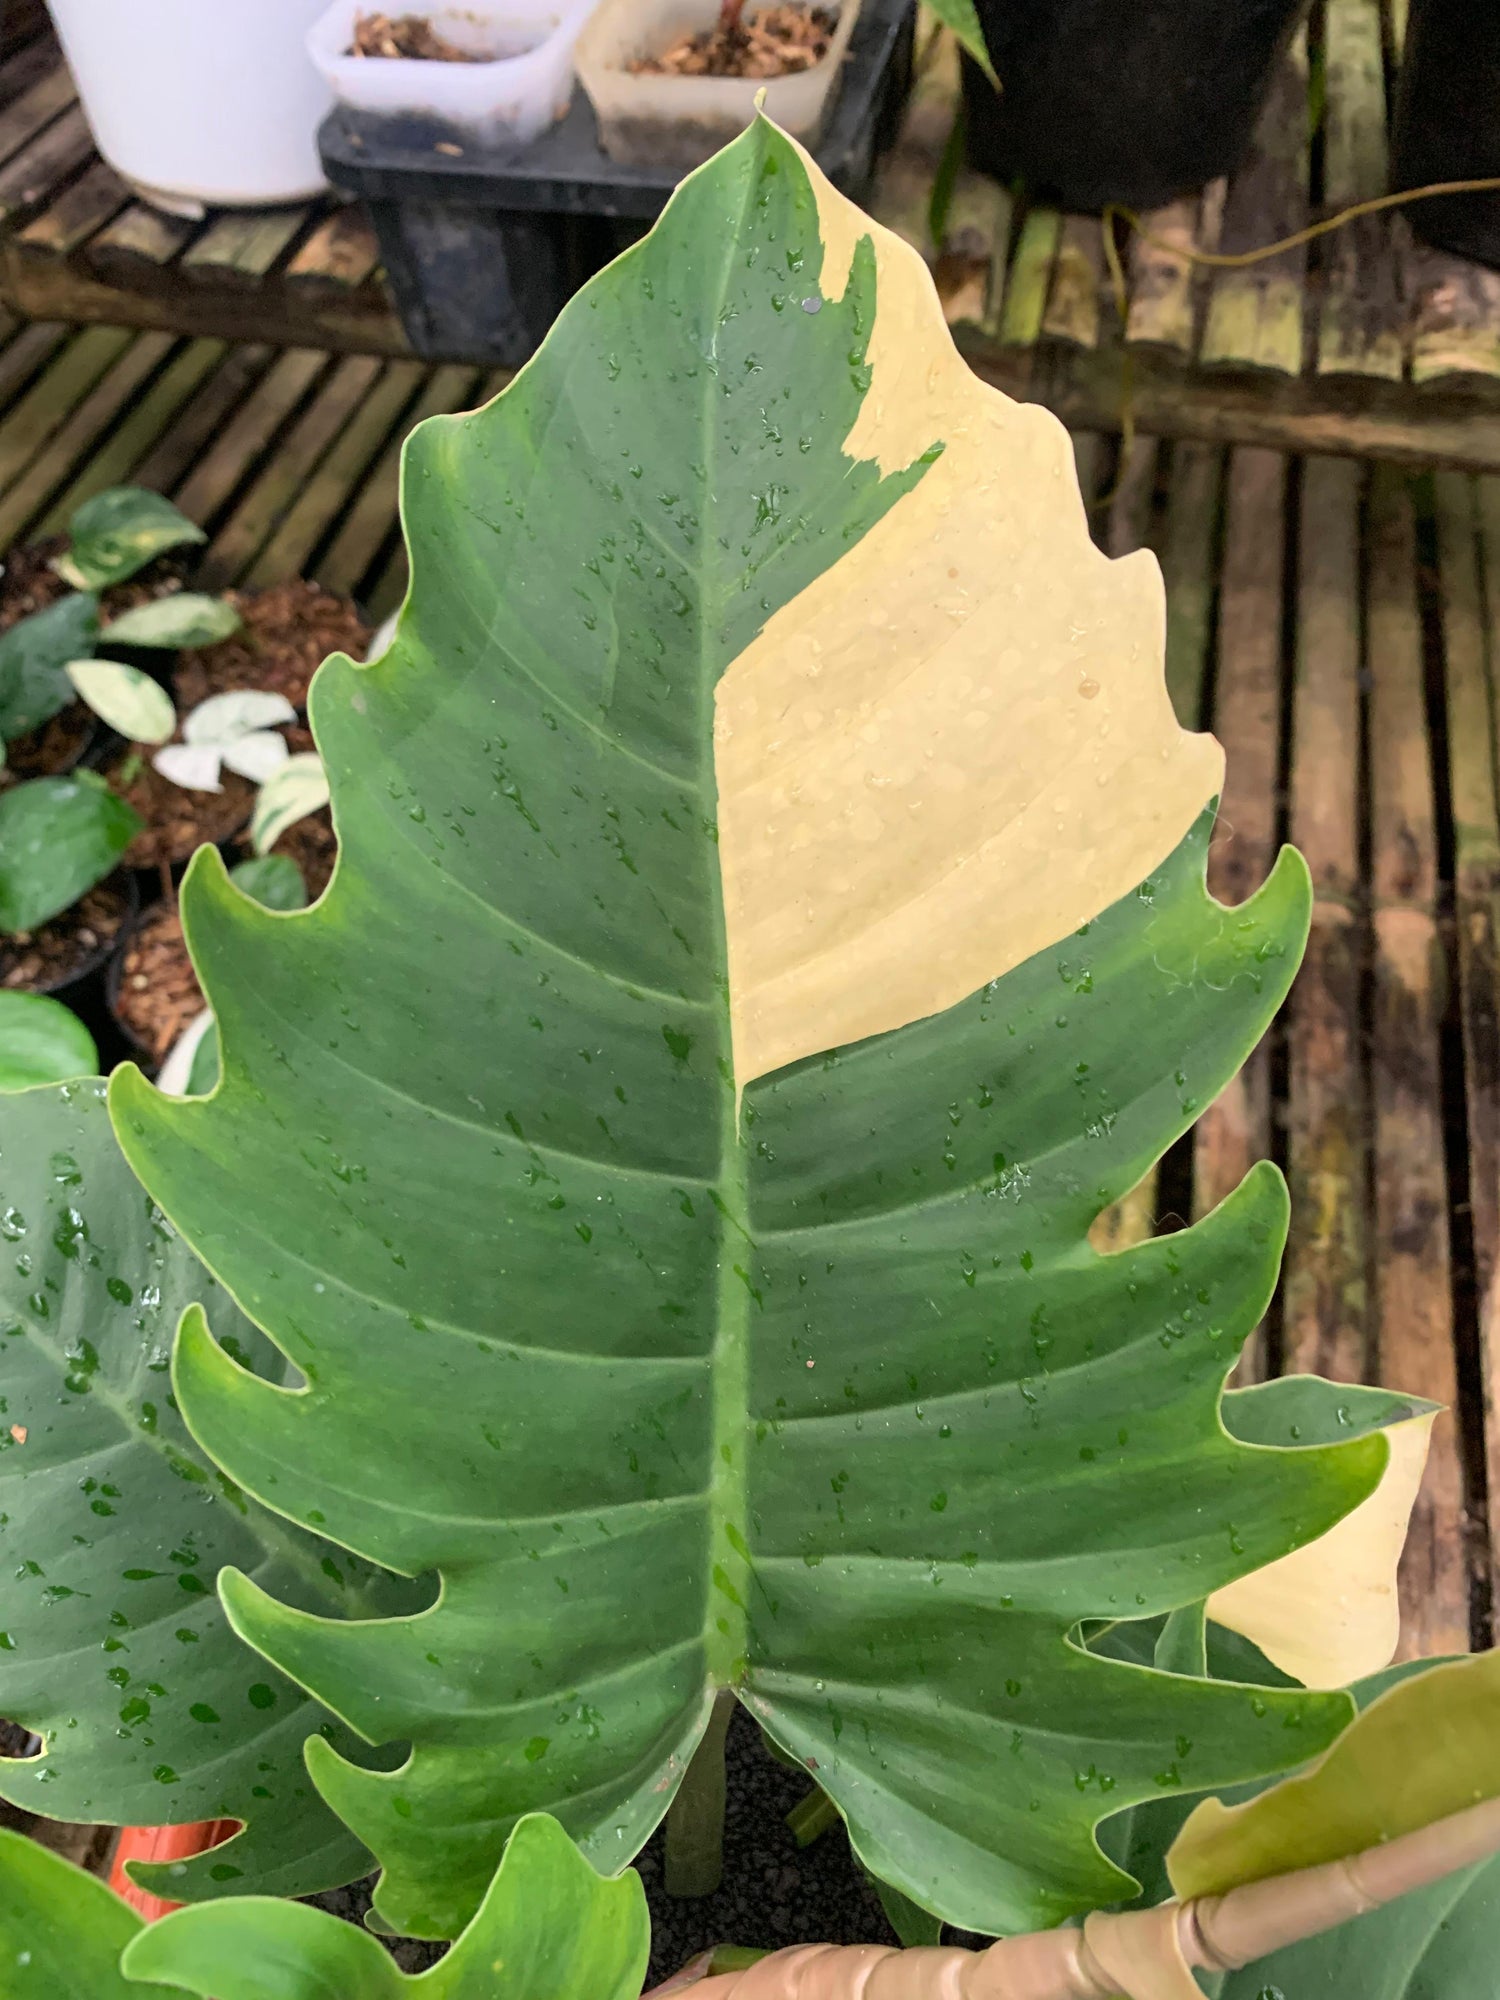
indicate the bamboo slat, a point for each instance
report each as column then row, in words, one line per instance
column 1235, row 1132
column 1255, row 314
column 1325, row 1314
column 1413, row 1295
column 1187, row 562
column 1470, row 580
column 1360, row 327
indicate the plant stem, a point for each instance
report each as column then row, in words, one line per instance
column 812, row 1817
column 695, row 1818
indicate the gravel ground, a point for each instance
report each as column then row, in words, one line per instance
column 774, row 1893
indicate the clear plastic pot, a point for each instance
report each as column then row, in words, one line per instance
column 679, row 121
column 524, row 85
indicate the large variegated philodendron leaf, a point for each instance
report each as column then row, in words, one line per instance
column 114, row 1648
column 770, row 925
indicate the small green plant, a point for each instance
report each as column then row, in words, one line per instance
column 41, row 1041
column 111, row 537
column 58, row 837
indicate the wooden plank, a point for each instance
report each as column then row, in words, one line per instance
column 78, row 212
column 26, row 497
column 1255, row 314
column 21, row 67
column 1187, row 564
column 1235, row 1131
column 1128, row 523
column 1455, row 316
column 970, row 267
column 1360, row 417
column 1360, row 325
column 329, row 489
column 27, row 180
column 1412, row 1291
column 168, row 461
column 167, row 300
column 238, row 541
column 341, row 252
column 35, row 109
column 114, row 462
column 1163, row 282
column 53, row 397
column 1027, row 281
column 141, row 240
column 1072, row 311
column 367, row 525
column 1471, row 652
column 214, row 478
column 1325, row 1302
column 24, row 357
column 242, row 245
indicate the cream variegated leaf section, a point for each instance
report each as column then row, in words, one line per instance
column 1328, row 1613
column 956, row 746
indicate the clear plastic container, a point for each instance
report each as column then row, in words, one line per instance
column 524, row 85
column 200, row 101
column 679, row 121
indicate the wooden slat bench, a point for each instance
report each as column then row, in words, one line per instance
column 1362, row 343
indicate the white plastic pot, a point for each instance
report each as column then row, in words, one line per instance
column 524, row 85
column 679, row 121
column 200, row 101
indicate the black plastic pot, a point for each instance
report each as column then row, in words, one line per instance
column 1134, row 101
column 483, row 249
column 1448, row 122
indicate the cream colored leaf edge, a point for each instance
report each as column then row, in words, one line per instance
column 955, row 747
column 1329, row 1613
column 1426, row 1750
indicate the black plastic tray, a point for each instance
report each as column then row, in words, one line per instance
column 483, row 248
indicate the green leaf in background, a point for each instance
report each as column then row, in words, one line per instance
column 911, row 1923
column 548, row 1929
column 272, row 880
column 58, row 837
column 33, row 655
column 61, row 1929
column 114, row 1648
column 186, row 619
column 963, row 18
column 129, row 700
column 41, row 1041
column 118, row 532
column 770, row 926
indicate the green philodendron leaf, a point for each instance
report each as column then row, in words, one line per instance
column 34, row 653
column 548, row 1929
column 58, row 837
column 118, row 532
column 770, row 925
column 274, row 880
column 61, row 1930
column 113, row 1646
column 963, row 18
column 186, row 619
column 41, row 1041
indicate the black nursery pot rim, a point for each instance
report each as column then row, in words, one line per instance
column 121, row 879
